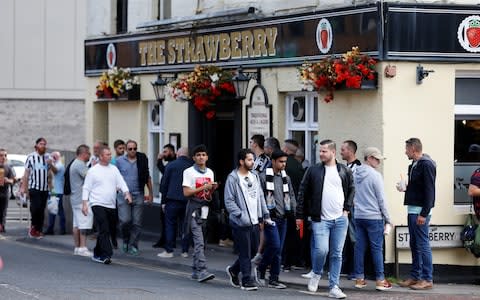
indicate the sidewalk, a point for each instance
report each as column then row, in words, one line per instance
column 217, row 260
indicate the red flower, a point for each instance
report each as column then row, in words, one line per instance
column 210, row 114
column 354, row 82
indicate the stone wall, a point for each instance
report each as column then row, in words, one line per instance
column 61, row 122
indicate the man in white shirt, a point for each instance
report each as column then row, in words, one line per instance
column 100, row 192
column 326, row 196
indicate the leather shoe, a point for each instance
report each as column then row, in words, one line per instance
column 407, row 282
column 422, row 285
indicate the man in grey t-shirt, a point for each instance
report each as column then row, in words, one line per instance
column 81, row 223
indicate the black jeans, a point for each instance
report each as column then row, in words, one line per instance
column 246, row 244
column 104, row 217
column 38, row 201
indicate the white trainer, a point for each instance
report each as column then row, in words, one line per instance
column 336, row 293
column 165, row 254
column 83, row 251
column 308, row 275
column 75, row 251
column 313, row 283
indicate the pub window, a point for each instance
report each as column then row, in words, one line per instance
column 164, row 9
column 467, row 134
column 122, row 16
column 302, row 122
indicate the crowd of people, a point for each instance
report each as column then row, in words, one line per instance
column 282, row 211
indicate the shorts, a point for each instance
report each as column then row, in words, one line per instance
column 81, row 221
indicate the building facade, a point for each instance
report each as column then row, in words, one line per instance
column 42, row 85
column 271, row 39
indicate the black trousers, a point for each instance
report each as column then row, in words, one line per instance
column 104, row 217
column 38, row 201
column 246, row 244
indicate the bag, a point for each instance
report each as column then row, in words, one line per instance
column 67, row 189
column 52, row 204
column 470, row 236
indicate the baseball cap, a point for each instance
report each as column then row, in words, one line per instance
column 372, row 151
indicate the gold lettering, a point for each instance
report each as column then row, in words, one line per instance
column 190, row 54
column 260, row 43
column 142, row 50
column 211, row 47
column 152, row 54
column 272, row 39
column 235, row 38
column 160, row 52
column 180, row 47
column 171, row 52
column 200, row 49
column 225, row 51
column 247, row 44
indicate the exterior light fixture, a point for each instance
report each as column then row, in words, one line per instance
column 422, row 73
column 240, row 82
column 159, row 88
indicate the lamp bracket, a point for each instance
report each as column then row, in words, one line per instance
column 422, row 73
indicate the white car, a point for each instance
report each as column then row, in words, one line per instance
column 17, row 162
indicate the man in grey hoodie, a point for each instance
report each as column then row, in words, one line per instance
column 245, row 203
column 371, row 216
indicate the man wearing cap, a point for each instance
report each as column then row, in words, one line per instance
column 371, row 216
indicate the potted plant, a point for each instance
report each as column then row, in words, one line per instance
column 332, row 73
column 203, row 87
column 118, row 83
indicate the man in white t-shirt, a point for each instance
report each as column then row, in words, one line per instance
column 100, row 193
column 198, row 186
column 326, row 196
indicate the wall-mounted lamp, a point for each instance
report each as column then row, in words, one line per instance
column 159, row 87
column 240, row 82
column 421, row 73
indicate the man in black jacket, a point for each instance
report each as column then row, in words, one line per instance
column 326, row 196
column 420, row 199
column 135, row 172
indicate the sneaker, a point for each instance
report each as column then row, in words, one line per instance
column 205, row 276
column 84, row 252
column 35, row 234
column 194, row 276
column 308, row 275
column 125, row 247
column 165, row 254
column 422, row 285
column 360, row 283
column 234, row 281
column 102, row 260
column 249, row 286
column 407, row 282
column 75, row 251
column 383, row 285
column 275, row 284
column 257, row 258
column 225, row 243
column 258, row 277
column 133, row 250
column 287, row 269
column 336, row 293
column 313, row 283
column 185, row 254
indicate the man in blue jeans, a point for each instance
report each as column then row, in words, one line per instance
column 175, row 202
column 420, row 199
column 135, row 172
column 326, row 196
column 280, row 200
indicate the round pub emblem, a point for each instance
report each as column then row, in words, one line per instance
column 468, row 34
column 111, row 55
column 324, row 36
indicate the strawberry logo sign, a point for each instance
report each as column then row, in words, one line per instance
column 111, row 56
column 468, row 34
column 324, row 36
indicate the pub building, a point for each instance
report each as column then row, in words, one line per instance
column 426, row 86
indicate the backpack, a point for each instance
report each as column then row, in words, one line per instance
column 470, row 236
column 67, row 189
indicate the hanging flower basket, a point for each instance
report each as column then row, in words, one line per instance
column 203, row 87
column 352, row 70
column 117, row 83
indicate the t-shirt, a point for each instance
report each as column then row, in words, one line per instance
column 101, row 185
column 195, row 179
column 332, row 194
column 7, row 173
column 78, row 171
column 475, row 180
column 129, row 171
column 250, row 188
column 58, row 178
column 38, row 167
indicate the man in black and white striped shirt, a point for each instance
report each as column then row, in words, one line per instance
column 35, row 179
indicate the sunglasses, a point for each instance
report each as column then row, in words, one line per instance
column 250, row 184
column 132, row 149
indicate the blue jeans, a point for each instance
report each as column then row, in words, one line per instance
column 61, row 215
column 422, row 266
column 130, row 218
column 274, row 240
column 369, row 232
column 175, row 211
column 329, row 238
column 246, row 244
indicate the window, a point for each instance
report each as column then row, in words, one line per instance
column 122, row 16
column 302, row 122
column 467, row 134
column 156, row 138
column 164, row 9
